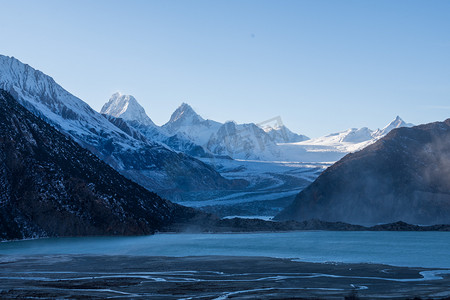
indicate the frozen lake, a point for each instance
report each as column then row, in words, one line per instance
column 412, row 249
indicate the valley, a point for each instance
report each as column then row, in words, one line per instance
column 214, row 150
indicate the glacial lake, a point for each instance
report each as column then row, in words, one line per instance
column 412, row 249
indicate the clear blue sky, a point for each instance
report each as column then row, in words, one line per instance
column 323, row 66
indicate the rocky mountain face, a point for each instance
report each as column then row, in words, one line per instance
column 243, row 141
column 151, row 164
column 51, row 186
column 282, row 134
column 403, row 176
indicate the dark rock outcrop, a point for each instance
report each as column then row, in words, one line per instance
column 51, row 186
column 404, row 176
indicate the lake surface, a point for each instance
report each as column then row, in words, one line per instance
column 413, row 249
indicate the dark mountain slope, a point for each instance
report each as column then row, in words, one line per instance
column 404, row 176
column 51, row 186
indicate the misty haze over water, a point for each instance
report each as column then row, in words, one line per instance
column 412, row 249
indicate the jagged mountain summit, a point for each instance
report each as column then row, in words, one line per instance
column 147, row 162
column 126, row 107
column 403, row 176
column 51, row 186
column 240, row 141
column 125, row 112
column 396, row 123
column 186, row 122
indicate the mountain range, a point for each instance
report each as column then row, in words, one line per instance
column 226, row 168
column 145, row 161
column 188, row 132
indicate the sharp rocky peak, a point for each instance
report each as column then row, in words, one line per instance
column 397, row 121
column 127, row 108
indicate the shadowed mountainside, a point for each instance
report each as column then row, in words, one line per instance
column 51, row 186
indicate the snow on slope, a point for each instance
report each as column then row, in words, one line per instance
column 334, row 146
column 43, row 96
column 281, row 134
column 243, row 141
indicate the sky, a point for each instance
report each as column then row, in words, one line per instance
column 322, row 66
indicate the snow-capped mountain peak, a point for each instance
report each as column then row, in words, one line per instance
column 188, row 123
column 127, row 108
column 185, row 114
column 396, row 123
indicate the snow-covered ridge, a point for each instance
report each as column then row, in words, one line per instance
column 357, row 136
column 334, row 146
column 43, row 96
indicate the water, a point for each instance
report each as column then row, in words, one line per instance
column 413, row 249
